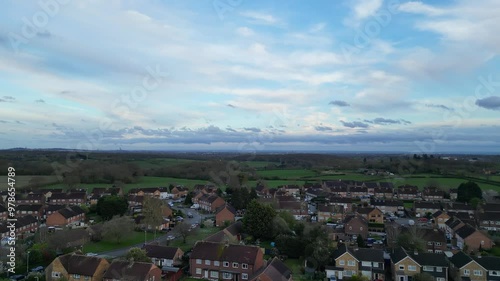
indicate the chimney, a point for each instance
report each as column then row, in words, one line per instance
column 415, row 252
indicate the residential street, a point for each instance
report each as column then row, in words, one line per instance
column 161, row 237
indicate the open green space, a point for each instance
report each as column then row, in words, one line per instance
column 286, row 174
column 442, row 182
column 259, row 164
column 160, row 162
column 105, row 246
column 24, row 181
column 198, row 235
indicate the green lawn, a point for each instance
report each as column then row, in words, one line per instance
column 295, row 266
column 103, row 246
column 200, row 234
column 286, row 174
column 445, row 183
column 275, row 183
column 258, row 164
column 161, row 162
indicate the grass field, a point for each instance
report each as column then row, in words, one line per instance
column 160, row 162
column 103, row 246
column 258, row 164
column 286, row 174
column 445, row 183
column 23, row 181
column 200, row 234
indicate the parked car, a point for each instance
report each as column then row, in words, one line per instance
column 190, row 215
column 37, row 269
column 17, row 277
column 170, row 237
column 91, row 254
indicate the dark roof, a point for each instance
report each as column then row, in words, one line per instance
column 386, row 185
column 341, row 249
column 71, row 211
column 395, row 203
column 431, row 259
column 398, row 254
column 275, row 270
column 226, row 206
column 221, row 252
column 365, row 254
column 163, row 252
column 489, row 216
column 434, row 235
column 366, row 210
column 290, row 205
column 489, row 263
column 465, row 231
column 460, row 259
column 30, row 207
column 350, row 218
column 453, row 222
column 80, row 264
column 491, row 208
column 2, row 208
column 371, row 184
column 437, row 214
column 25, row 220
column 53, row 208
column 460, row 206
column 128, row 271
column 427, row 205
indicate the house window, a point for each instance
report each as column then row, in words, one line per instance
column 207, row 262
column 438, row 243
column 402, row 267
column 366, row 263
column 244, row 266
column 439, row 269
column 216, row 263
column 198, row 261
column 198, row 271
column 226, row 275
column 244, row 276
column 86, row 278
column 341, row 262
column 428, row 268
column 412, row 268
column 440, row 279
column 429, row 243
column 350, row 227
column 348, row 273
column 361, row 228
column 225, row 264
column 214, row 274
column 56, row 274
column 235, row 265
column 76, row 276
column 478, row 273
column 351, row 263
column 466, row 272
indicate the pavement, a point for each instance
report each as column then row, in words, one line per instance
column 161, row 236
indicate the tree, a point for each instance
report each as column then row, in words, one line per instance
column 184, row 231
column 189, row 199
column 152, row 212
column 424, row 276
column 468, row 190
column 288, row 218
column 360, row 241
column 411, row 240
column 137, row 255
column 358, row 278
column 258, row 220
column 280, row 226
column 117, row 228
column 110, row 206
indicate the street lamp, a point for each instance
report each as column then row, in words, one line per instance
column 28, row 263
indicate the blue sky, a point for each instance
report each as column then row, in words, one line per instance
column 363, row 75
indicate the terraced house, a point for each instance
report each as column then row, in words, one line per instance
column 223, row 261
column 466, row 268
column 405, row 265
column 74, row 267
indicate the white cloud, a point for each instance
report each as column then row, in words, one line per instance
column 245, row 31
column 260, row 18
column 417, row 7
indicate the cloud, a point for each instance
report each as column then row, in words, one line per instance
column 492, row 103
column 253, row 129
column 245, row 31
column 3, row 121
column 339, row 103
column 354, row 124
column 385, row 121
column 7, row 99
column 317, row 27
column 230, row 105
column 361, row 10
column 440, row 106
column 260, row 18
column 40, row 101
column 323, row 128
column 417, row 7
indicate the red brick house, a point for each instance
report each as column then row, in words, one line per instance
column 132, row 271
column 179, row 191
column 356, row 225
column 473, row 239
column 408, row 192
column 66, row 216
column 74, row 198
column 275, row 270
column 30, row 199
column 435, row 239
column 432, row 194
column 164, row 255
column 35, row 210
column 210, row 203
column 224, row 213
column 26, row 224
column 76, row 267
column 218, row 261
column 371, row 214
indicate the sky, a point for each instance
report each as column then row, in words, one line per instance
column 250, row 76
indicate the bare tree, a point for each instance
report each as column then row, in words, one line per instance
column 184, row 231
column 117, row 228
column 152, row 211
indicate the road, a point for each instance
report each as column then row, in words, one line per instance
column 162, row 237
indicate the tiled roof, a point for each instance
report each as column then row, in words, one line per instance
column 221, row 252
column 80, row 264
column 128, row 271
column 163, row 252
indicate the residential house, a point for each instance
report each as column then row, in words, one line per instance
column 489, row 221
column 346, row 203
column 225, row 213
column 408, row 192
column 389, row 206
column 312, row 193
column 75, row 267
column 458, row 207
column 132, row 271
column 453, row 194
column 210, row 203
column 3, row 212
column 290, row 190
column 297, row 208
column 74, row 198
column 491, row 264
column 275, row 270
column 423, row 208
column 451, row 225
column 353, row 262
column 262, row 191
column 179, row 191
column 371, row 187
column 383, row 192
column 473, row 239
column 26, row 224
column 466, row 268
column 327, row 213
column 230, row 234
column 35, row 210
column 50, row 209
column 465, row 217
column 66, row 216
column 431, row 193
column 405, row 265
column 164, row 256
column 439, row 219
column 356, row 225
column 26, row 199
column 372, row 214
column 491, row 208
column 358, row 191
column 225, row 261
column 435, row 239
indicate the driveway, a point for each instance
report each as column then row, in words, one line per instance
column 161, row 236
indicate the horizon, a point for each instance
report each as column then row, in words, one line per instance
column 364, row 76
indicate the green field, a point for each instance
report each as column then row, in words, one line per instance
column 286, row 174
column 23, row 181
column 445, row 183
column 259, row 164
column 160, row 162
column 103, row 246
